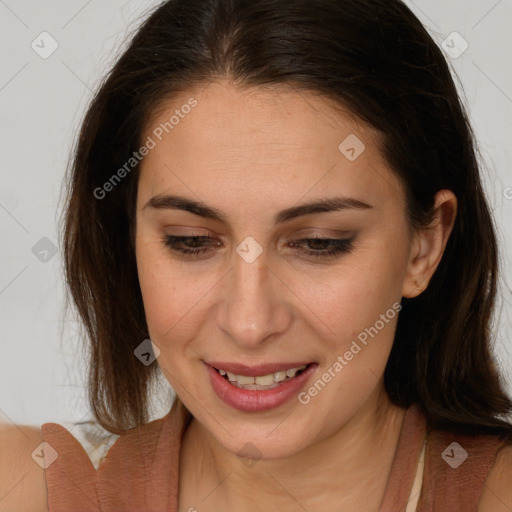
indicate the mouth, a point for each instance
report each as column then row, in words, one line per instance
column 256, row 389
column 261, row 382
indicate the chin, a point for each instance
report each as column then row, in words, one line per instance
column 253, row 448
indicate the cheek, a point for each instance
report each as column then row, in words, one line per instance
column 167, row 294
column 352, row 297
column 171, row 293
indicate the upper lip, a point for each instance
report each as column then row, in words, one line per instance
column 256, row 370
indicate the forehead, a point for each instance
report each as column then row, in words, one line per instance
column 262, row 142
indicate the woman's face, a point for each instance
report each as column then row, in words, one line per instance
column 253, row 297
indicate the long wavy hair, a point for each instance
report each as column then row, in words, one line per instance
column 376, row 59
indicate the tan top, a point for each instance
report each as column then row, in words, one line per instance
column 140, row 470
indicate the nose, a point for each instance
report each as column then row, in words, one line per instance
column 253, row 308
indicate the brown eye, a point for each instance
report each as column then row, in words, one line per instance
column 190, row 245
column 324, row 247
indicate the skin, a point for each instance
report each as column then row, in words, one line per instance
column 251, row 153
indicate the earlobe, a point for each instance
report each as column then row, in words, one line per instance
column 429, row 243
column 413, row 284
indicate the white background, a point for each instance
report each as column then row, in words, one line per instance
column 42, row 102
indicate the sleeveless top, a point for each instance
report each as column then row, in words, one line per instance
column 432, row 471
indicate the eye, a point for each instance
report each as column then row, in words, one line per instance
column 190, row 245
column 324, row 247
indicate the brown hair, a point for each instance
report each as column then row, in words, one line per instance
column 371, row 56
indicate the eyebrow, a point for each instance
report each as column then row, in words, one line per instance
column 331, row 204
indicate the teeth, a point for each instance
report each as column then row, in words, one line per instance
column 261, row 381
column 265, row 380
column 255, row 387
column 242, row 379
column 279, row 376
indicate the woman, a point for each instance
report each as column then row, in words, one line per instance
column 283, row 196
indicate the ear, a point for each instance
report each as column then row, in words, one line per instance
column 428, row 245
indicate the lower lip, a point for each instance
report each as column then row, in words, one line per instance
column 255, row 400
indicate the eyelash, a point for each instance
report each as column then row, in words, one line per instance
column 339, row 246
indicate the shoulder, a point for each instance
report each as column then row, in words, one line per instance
column 22, row 479
column 497, row 492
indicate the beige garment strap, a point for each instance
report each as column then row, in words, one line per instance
column 418, row 480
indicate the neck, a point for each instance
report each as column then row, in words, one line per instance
column 351, row 468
